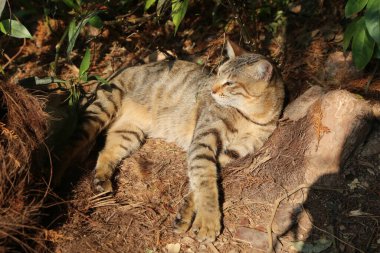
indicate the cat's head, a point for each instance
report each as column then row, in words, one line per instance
column 248, row 82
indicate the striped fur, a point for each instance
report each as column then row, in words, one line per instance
column 216, row 118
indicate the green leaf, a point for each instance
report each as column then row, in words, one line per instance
column 74, row 97
column 75, row 31
column 148, row 4
column 84, row 77
column 14, row 28
column 2, row 5
column 315, row 247
column 376, row 54
column 179, row 8
column 321, row 245
column 72, row 4
column 72, row 27
column 85, row 64
column 96, row 22
column 354, row 6
column 372, row 19
column 160, row 5
column 31, row 82
column 101, row 80
column 71, row 98
column 349, row 33
column 300, row 246
column 362, row 47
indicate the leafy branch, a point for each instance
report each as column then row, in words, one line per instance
column 73, row 86
column 363, row 33
column 77, row 23
column 179, row 8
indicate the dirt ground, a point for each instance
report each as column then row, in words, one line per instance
column 151, row 184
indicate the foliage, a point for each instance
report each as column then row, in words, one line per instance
column 81, row 17
column 14, row 28
column 11, row 27
column 75, row 86
column 179, row 8
column 363, row 31
column 80, row 13
column 76, row 25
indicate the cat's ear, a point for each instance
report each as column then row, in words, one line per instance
column 234, row 50
column 264, row 70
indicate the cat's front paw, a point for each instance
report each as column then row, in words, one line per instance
column 207, row 225
column 102, row 183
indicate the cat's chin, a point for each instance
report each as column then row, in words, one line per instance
column 222, row 102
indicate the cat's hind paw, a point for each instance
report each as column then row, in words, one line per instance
column 102, row 185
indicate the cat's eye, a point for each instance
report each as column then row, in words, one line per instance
column 228, row 83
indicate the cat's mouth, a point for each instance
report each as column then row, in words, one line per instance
column 221, row 99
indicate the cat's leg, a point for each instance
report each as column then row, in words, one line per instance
column 203, row 176
column 122, row 139
column 93, row 120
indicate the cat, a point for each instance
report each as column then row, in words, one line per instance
column 215, row 118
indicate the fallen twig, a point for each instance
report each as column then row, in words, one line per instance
column 10, row 60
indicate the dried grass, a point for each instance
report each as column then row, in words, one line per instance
column 23, row 126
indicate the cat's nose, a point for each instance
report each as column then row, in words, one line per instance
column 215, row 89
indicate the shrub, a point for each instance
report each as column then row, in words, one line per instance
column 363, row 31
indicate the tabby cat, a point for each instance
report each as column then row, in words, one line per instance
column 215, row 118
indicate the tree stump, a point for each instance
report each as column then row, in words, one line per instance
column 316, row 135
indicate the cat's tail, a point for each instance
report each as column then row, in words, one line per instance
column 96, row 116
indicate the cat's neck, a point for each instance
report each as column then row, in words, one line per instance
column 258, row 121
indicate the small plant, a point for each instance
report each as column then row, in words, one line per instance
column 179, row 8
column 13, row 28
column 73, row 86
column 82, row 16
column 363, row 31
